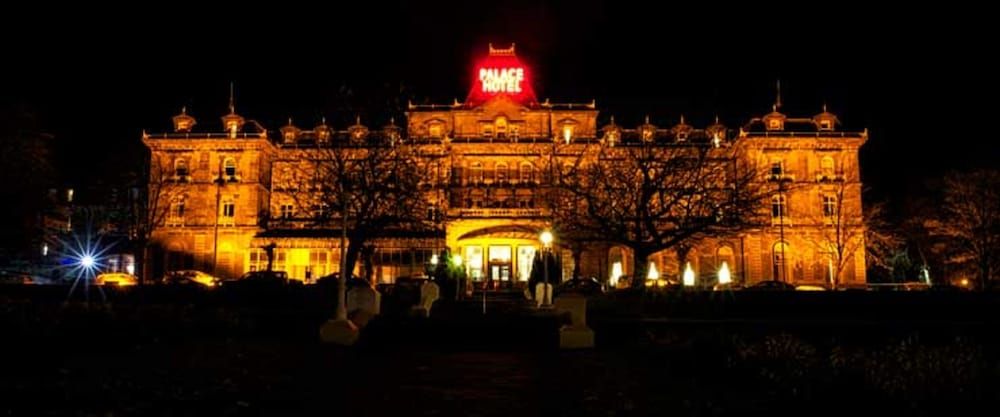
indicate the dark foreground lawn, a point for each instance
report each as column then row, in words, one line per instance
column 225, row 358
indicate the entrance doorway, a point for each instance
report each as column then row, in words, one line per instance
column 499, row 267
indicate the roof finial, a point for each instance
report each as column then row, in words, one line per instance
column 232, row 101
column 322, row 120
column 647, row 119
column 612, row 119
column 184, row 109
column 682, row 119
column 357, row 119
column 774, row 107
column 777, row 101
column 392, row 120
column 716, row 119
column 289, row 120
column 824, row 107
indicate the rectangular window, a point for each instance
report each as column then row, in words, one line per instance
column 287, row 211
column 777, row 168
column 829, row 206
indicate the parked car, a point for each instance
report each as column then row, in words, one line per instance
column 120, row 279
column 8, row 277
column 187, row 277
column 580, row 285
column 771, row 285
column 262, row 278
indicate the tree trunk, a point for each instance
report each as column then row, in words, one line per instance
column 640, row 262
column 140, row 261
column 577, row 252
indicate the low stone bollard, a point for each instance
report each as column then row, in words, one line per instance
column 429, row 293
column 541, row 295
column 575, row 335
column 363, row 303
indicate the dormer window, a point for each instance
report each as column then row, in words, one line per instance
column 515, row 133
column 774, row 124
column 501, row 127
column 434, row 130
column 825, row 125
column 488, row 131
column 567, row 133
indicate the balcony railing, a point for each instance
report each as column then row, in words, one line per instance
column 495, row 212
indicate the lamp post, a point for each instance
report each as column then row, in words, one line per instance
column 546, row 239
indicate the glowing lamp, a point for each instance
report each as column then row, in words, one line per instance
column 434, row 259
column 616, row 273
column 688, row 275
column 653, row 274
column 87, row 261
column 546, row 238
column 456, row 259
column 724, row 276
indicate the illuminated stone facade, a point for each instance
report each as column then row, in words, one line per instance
column 488, row 162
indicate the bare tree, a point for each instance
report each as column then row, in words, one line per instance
column 367, row 186
column 159, row 192
column 968, row 221
column 652, row 196
column 843, row 228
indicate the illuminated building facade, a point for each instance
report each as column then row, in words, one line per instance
column 488, row 162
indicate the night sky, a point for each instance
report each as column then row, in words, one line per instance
column 921, row 79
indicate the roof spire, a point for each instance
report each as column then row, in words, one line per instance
column 232, row 101
column 777, row 100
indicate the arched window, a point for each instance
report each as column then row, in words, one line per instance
column 476, row 173
column 501, row 174
column 501, row 127
column 527, row 173
column 181, row 167
column 826, row 166
column 229, row 167
column 779, row 255
column 778, row 207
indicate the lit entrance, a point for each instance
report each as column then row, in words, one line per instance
column 500, row 267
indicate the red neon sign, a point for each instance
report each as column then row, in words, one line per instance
column 501, row 73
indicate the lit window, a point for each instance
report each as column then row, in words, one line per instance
column 825, row 125
column 774, row 124
column 567, row 133
column 778, row 208
column 434, row 130
column 829, row 206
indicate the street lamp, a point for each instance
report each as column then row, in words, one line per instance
column 546, row 239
